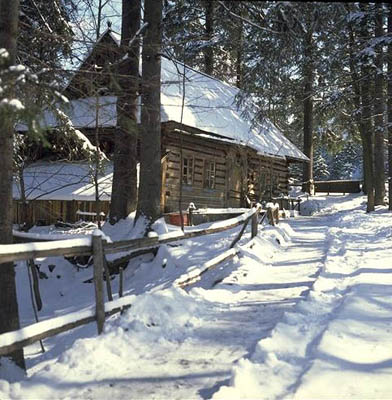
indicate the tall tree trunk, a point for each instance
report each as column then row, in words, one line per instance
column 389, row 104
column 379, row 167
column 96, row 159
column 9, row 316
column 308, row 107
column 124, row 187
column 367, row 137
column 367, row 134
column 150, row 138
column 355, row 82
column 209, row 33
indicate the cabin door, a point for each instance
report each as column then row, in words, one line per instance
column 235, row 185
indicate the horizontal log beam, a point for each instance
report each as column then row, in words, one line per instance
column 11, row 252
column 26, row 336
column 195, row 275
column 133, row 244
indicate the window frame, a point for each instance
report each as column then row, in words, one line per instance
column 209, row 181
column 188, row 170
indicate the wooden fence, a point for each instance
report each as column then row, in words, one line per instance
column 336, row 186
column 97, row 247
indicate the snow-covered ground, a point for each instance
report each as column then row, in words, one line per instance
column 304, row 311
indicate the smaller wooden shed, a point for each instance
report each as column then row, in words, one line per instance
column 60, row 191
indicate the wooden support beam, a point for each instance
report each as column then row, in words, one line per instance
column 255, row 218
column 270, row 216
column 107, row 278
column 195, row 275
column 121, row 284
column 238, row 237
column 34, row 274
column 35, row 250
column 98, row 280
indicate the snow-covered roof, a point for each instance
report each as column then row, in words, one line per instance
column 209, row 105
column 82, row 113
column 63, row 181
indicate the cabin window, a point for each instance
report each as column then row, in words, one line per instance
column 210, row 173
column 187, row 170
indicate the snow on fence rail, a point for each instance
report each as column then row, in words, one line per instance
column 83, row 246
column 12, row 341
column 194, row 274
column 96, row 246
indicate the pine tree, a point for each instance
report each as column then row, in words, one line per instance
column 124, row 188
column 9, row 15
column 389, row 107
column 379, row 127
column 366, row 114
column 320, row 166
column 149, row 195
column 209, row 33
column 346, row 161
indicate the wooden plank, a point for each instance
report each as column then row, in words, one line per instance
column 133, row 244
column 190, row 279
column 207, row 231
column 139, row 244
column 18, row 344
column 98, row 281
column 198, row 149
column 15, row 255
column 238, row 237
column 34, row 274
column 133, row 253
column 121, row 283
column 255, row 217
column 107, row 279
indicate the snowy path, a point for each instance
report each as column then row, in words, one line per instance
column 355, row 348
column 234, row 315
column 243, row 308
column 337, row 343
column 309, row 304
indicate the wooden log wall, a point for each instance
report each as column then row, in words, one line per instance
column 201, row 151
column 338, row 186
column 47, row 212
column 267, row 176
column 240, row 171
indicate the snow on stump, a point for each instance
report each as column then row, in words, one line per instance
column 273, row 213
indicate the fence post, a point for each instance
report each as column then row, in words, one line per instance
column 240, row 234
column 120, row 290
column 98, row 279
column 107, row 278
column 270, row 216
column 255, row 218
column 276, row 215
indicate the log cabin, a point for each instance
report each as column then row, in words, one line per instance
column 210, row 150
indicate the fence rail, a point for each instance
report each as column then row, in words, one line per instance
column 12, row 341
column 83, row 246
column 97, row 247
